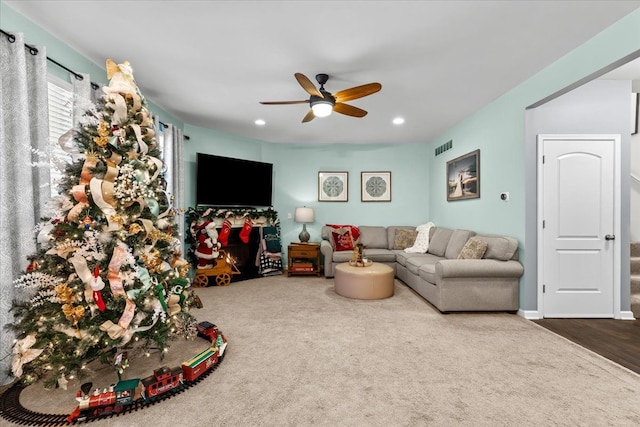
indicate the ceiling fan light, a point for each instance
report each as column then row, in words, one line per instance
column 322, row 108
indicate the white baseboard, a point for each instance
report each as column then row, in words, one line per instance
column 535, row 315
column 627, row 315
column 529, row 314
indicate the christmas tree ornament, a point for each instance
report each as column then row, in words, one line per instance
column 23, row 353
column 97, row 284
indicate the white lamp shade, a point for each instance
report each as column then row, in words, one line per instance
column 304, row 215
column 322, row 108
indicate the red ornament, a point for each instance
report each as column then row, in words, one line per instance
column 32, row 266
column 97, row 285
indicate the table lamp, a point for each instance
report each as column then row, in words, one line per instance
column 304, row 215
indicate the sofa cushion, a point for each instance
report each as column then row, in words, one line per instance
column 499, row 247
column 402, row 256
column 343, row 256
column 379, row 255
column 456, row 242
column 473, row 249
column 341, row 239
column 404, row 238
column 424, row 261
column 373, row 237
column 439, row 240
column 428, row 272
column 421, row 245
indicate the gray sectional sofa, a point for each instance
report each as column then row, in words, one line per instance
column 450, row 284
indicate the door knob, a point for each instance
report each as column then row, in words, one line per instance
column 610, row 237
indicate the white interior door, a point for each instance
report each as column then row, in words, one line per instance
column 578, row 225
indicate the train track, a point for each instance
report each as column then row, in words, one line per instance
column 12, row 410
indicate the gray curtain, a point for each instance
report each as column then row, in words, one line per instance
column 24, row 178
column 171, row 140
column 84, row 96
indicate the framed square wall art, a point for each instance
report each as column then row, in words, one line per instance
column 463, row 177
column 375, row 186
column 333, row 186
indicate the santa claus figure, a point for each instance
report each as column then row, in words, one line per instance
column 208, row 245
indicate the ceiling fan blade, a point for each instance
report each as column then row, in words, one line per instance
column 357, row 92
column 307, row 85
column 310, row 116
column 349, row 110
column 283, row 102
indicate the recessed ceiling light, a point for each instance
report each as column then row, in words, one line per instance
column 398, row 121
column 260, row 122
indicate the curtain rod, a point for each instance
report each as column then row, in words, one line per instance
column 34, row 51
column 166, row 125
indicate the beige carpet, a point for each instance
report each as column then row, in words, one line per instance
column 301, row 355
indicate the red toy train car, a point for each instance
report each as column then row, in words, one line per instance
column 200, row 364
column 163, row 380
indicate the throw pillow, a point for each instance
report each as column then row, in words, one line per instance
column 473, row 249
column 355, row 232
column 422, row 239
column 404, row 239
column 272, row 239
column 456, row 242
column 342, row 240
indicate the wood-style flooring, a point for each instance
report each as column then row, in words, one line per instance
column 617, row 340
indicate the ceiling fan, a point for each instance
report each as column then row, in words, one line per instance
column 323, row 103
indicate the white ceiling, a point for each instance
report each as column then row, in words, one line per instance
column 210, row 62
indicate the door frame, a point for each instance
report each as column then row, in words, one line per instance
column 617, row 144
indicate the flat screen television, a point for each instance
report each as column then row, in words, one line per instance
column 228, row 182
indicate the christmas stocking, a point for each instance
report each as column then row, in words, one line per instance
column 223, row 236
column 246, row 230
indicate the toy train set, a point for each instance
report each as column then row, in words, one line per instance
column 126, row 395
column 164, row 380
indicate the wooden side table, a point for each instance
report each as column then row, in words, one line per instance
column 303, row 259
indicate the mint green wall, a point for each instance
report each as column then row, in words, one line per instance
column 203, row 140
column 296, row 168
column 13, row 22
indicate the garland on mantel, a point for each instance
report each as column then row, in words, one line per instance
column 199, row 215
column 209, row 214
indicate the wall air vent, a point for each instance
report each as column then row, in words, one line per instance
column 444, row 147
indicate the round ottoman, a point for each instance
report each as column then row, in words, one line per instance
column 372, row 282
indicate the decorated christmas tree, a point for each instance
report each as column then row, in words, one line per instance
column 109, row 273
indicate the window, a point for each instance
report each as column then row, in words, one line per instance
column 60, row 121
